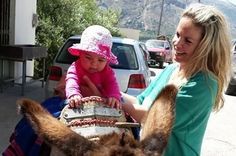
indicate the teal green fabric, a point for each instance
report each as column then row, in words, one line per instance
column 194, row 103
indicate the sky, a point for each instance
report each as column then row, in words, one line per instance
column 233, row 1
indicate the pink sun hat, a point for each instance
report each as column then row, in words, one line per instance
column 96, row 39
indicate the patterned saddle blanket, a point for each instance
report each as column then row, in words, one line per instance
column 94, row 118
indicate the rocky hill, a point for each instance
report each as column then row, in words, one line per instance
column 144, row 15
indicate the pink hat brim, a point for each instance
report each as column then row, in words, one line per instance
column 77, row 48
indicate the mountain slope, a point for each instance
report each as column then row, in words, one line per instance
column 145, row 14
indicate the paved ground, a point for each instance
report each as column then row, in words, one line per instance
column 220, row 138
column 8, row 113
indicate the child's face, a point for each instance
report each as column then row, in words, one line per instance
column 92, row 62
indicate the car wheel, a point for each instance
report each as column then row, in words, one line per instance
column 161, row 64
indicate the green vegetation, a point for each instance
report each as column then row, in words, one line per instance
column 60, row 19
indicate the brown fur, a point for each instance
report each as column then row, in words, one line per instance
column 159, row 120
column 156, row 131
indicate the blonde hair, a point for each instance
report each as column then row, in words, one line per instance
column 212, row 55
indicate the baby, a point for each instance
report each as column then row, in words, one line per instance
column 91, row 69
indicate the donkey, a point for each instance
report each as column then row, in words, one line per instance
column 156, row 130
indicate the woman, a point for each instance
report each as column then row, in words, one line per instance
column 201, row 51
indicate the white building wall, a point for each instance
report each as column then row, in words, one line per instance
column 24, row 31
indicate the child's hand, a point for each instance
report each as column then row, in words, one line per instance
column 113, row 102
column 75, row 101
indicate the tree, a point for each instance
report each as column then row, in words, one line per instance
column 59, row 19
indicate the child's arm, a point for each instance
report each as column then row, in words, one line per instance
column 72, row 82
column 111, row 89
column 72, row 88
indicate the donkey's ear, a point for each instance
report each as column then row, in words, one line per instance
column 52, row 131
column 24, row 105
column 159, row 121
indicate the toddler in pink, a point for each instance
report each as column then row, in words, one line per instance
column 92, row 69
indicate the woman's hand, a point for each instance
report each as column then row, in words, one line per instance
column 60, row 87
column 130, row 106
column 89, row 89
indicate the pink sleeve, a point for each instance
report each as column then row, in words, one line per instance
column 111, row 86
column 72, row 83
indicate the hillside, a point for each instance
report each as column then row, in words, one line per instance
column 144, row 15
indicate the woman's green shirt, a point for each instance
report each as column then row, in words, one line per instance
column 194, row 103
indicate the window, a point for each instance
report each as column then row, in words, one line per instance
column 126, row 56
column 5, row 25
column 64, row 56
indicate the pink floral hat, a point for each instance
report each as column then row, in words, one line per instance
column 96, row 39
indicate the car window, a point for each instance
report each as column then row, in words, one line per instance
column 64, row 56
column 167, row 45
column 125, row 54
column 144, row 54
column 143, row 46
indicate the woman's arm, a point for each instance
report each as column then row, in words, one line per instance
column 130, row 106
column 110, row 84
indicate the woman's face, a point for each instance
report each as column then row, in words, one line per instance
column 92, row 62
column 186, row 40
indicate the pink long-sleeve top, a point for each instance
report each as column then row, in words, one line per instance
column 105, row 81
